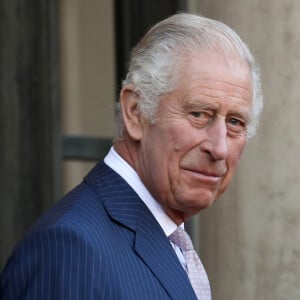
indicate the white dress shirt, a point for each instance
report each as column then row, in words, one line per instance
column 120, row 166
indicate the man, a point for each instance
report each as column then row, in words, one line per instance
column 190, row 101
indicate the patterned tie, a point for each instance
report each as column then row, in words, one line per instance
column 195, row 269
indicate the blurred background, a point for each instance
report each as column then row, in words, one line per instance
column 61, row 64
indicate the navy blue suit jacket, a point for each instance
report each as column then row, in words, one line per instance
column 99, row 242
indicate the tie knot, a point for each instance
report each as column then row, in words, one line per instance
column 181, row 238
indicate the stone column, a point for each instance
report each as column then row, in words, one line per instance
column 250, row 239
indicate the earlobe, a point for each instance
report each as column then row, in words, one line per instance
column 131, row 114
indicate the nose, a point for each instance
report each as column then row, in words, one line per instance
column 216, row 142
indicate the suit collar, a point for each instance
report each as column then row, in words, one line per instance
column 126, row 171
column 151, row 243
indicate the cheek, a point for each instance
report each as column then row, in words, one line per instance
column 160, row 152
column 234, row 159
column 172, row 141
column 181, row 144
column 184, row 139
column 168, row 146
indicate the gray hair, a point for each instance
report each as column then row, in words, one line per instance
column 155, row 63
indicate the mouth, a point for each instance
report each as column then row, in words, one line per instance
column 205, row 176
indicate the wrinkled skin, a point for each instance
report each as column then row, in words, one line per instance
column 188, row 157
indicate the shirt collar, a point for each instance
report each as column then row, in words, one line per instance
column 120, row 166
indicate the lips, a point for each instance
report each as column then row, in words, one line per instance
column 205, row 176
column 208, row 173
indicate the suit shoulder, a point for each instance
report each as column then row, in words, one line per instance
column 81, row 210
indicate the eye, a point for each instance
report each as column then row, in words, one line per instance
column 196, row 114
column 236, row 125
column 199, row 118
column 235, row 122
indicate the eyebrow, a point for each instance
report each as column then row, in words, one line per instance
column 241, row 114
column 199, row 106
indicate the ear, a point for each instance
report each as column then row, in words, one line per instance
column 132, row 117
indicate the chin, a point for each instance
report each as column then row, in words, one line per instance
column 185, row 208
column 204, row 197
column 196, row 205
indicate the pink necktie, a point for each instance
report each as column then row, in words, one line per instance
column 195, row 269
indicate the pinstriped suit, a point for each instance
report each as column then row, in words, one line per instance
column 99, row 242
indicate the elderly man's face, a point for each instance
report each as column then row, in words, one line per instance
column 188, row 157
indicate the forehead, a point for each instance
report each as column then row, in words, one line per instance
column 213, row 78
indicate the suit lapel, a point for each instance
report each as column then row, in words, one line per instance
column 151, row 243
column 156, row 251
